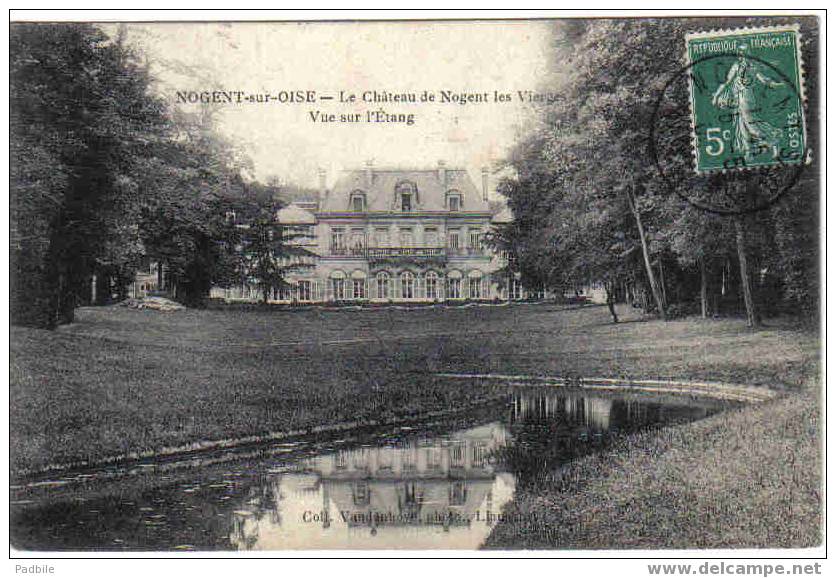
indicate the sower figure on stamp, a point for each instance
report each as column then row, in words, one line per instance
column 753, row 135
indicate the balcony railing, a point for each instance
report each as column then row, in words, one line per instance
column 378, row 253
column 375, row 253
column 347, row 251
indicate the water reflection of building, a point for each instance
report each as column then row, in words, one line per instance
column 573, row 411
column 576, row 413
column 437, row 493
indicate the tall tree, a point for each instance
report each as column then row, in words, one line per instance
column 700, row 240
column 592, row 142
column 270, row 249
column 82, row 116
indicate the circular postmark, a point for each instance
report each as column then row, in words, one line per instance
column 757, row 159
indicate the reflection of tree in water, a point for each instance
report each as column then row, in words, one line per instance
column 539, row 449
column 242, row 536
column 261, row 502
column 550, row 430
column 260, row 507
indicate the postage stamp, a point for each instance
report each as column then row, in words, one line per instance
column 746, row 96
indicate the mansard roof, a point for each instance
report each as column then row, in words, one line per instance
column 379, row 187
column 293, row 214
column 503, row 215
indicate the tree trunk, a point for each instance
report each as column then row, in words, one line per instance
column 752, row 317
column 703, row 289
column 662, row 285
column 102, row 288
column 68, row 305
column 61, row 301
column 654, row 287
column 608, row 287
column 66, row 298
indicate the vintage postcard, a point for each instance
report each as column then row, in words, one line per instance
column 420, row 285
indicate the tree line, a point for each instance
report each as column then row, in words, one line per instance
column 105, row 176
column 590, row 205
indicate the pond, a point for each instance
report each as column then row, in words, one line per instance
column 437, row 485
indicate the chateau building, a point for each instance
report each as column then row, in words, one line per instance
column 395, row 235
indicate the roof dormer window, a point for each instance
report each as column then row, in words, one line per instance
column 454, row 201
column 406, row 197
column 358, row 202
column 406, row 202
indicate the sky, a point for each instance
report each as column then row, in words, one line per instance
column 281, row 140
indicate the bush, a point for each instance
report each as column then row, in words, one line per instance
column 683, row 309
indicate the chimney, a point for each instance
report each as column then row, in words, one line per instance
column 369, row 173
column 321, row 174
column 485, row 184
column 442, row 173
column 323, row 190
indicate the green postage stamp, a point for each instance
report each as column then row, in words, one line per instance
column 747, row 98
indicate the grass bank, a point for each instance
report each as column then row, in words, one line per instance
column 748, row 478
column 122, row 381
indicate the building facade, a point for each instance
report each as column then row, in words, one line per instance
column 395, row 235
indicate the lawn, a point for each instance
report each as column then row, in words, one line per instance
column 749, row 478
column 122, row 381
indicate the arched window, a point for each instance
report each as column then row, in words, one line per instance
column 305, row 292
column 358, row 285
column 407, row 285
column 516, row 288
column 454, row 285
column 383, row 285
column 432, row 285
column 338, row 285
column 474, row 285
column 358, row 202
